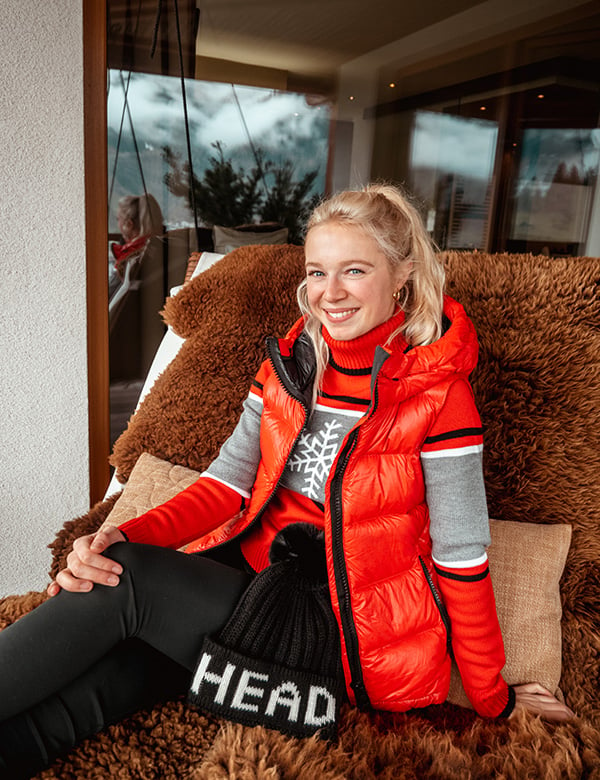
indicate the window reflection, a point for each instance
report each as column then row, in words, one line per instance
column 451, row 172
column 245, row 122
column 258, row 156
column 554, row 189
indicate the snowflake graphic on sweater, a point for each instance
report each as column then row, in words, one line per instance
column 313, row 456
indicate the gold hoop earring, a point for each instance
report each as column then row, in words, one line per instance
column 400, row 296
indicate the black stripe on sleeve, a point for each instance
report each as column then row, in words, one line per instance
column 450, row 575
column 510, row 705
column 257, row 384
column 457, row 434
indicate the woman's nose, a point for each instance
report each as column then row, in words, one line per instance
column 335, row 289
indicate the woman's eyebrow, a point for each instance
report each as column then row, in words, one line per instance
column 358, row 261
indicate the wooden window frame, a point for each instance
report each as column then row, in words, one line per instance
column 96, row 231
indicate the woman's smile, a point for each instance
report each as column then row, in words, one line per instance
column 338, row 315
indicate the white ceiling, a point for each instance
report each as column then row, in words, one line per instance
column 311, row 37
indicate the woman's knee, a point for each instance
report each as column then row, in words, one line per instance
column 125, row 553
column 138, row 560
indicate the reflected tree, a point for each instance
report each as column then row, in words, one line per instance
column 231, row 196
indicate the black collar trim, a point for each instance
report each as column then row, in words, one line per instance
column 350, row 371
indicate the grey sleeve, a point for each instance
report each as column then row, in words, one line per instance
column 237, row 462
column 455, row 494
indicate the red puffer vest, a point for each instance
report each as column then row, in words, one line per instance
column 393, row 625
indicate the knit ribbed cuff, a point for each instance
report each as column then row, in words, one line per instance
column 256, row 692
column 510, row 705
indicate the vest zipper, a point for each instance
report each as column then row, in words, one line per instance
column 439, row 604
column 357, row 682
column 339, row 564
column 341, row 576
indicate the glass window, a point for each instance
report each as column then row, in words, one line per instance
column 259, row 158
column 451, row 171
column 554, row 189
column 244, row 126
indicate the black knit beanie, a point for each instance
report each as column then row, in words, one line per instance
column 276, row 662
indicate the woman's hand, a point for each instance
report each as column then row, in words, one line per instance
column 86, row 566
column 537, row 699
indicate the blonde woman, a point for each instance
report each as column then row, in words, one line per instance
column 139, row 217
column 360, row 426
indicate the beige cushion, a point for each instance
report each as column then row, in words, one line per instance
column 152, row 482
column 526, row 564
column 227, row 239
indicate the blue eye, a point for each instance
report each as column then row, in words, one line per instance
column 355, row 271
column 315, row 273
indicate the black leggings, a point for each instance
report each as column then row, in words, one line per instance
column 81, row 661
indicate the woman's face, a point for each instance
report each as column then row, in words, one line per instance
column 126, row 226
column 350, row 282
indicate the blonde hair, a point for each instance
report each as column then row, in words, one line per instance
column 144, row 212
column 384, row 213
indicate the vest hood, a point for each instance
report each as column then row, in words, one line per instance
column 417, row 368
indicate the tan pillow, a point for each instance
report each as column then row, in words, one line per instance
column 526, row 564
column 152, row 482
column 227, row 239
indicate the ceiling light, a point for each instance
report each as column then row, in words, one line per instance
column 540, row 96
column 482, row 108
column 392, row 84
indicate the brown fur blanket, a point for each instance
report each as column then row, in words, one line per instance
column 538, row 390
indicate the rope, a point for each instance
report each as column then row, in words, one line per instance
column 187, row 125
column 250, row 141
column 135, row 144
column 114, row 171
column 126, row 108
column 185, row 109
column 155, row 31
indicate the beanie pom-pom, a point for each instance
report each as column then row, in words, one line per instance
column 302, row 545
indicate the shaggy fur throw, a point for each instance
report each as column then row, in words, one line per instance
column 537, row 386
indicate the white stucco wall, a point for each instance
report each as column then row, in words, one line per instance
column 43, row 377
